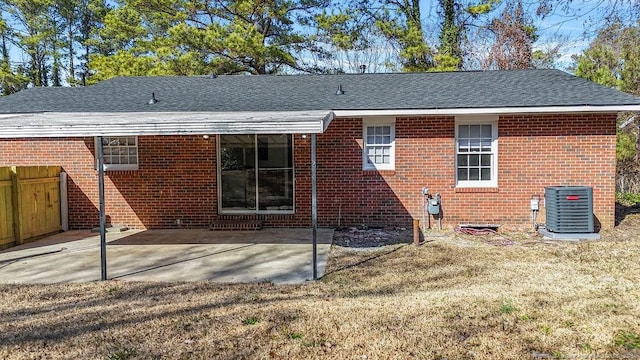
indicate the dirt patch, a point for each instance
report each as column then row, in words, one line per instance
column 623, row 211
column 371, row 238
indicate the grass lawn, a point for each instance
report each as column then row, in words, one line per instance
column 456, row 297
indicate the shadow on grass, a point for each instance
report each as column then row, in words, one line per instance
column 103, row 310
column 89, row 318
column 63, row 313
column 376, row 255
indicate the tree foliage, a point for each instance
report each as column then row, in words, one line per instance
column 75, row 42
column 401, row 23
column 194, row 37
column 36, row 38
column 49, row 34
column 449, row 57
column 404, row 26
column 357, row 47
column 613, row 59
column 10, row 81
column 514, row 37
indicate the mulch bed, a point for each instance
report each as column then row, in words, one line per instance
column 370, row 238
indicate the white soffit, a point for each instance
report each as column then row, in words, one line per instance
column 169, row 123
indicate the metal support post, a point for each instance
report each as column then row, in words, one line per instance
column 103, row 218
column 314, row 207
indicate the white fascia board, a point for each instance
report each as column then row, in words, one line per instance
column 490, row 111
column 168, row 123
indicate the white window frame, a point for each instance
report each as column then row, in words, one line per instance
column 376, row 122
column 117, row 167
column 479, row 120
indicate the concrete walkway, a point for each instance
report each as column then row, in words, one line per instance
column 277, row 255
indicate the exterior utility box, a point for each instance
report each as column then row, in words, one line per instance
column 569, row 209
column 434, row 205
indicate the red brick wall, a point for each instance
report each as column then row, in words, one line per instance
column 378, row 198
column 177, row 174
column 534, row 151
column 556, row 150
column 176, row 179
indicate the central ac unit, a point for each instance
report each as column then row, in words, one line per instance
column 569, row 209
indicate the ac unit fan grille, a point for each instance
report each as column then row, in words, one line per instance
column 569, row 209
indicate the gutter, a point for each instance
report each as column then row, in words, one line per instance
column 491, row 111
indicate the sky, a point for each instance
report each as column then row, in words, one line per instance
column 571, row 24
column 572, row 27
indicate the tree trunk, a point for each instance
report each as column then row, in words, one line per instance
column 72, row 73
column 55, row 69
column 5, row 51
column 637, row 121
column 35, row 69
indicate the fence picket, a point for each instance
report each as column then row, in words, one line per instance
column 29, row 203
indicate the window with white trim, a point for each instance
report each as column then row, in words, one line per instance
column 120, row 152
column 477, row 152
column 378, row 150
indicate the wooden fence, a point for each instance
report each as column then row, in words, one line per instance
column 7, row 237
column 29, row 203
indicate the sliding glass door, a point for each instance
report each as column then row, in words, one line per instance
column 237, row 172
column 256, row 173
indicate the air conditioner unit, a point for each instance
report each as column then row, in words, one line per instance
column 569, row 209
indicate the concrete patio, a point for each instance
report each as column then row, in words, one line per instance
column 276, row 255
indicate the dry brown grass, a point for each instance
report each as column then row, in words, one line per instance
column 458, row 297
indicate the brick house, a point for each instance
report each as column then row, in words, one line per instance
column 189, row 151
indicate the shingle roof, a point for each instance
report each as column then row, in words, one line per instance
column 451, row 90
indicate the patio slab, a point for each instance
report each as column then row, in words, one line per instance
column 275, row 255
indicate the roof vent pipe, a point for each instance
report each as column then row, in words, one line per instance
column 363, row 68
column 340, row 91
column 153, row 99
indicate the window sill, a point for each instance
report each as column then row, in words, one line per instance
column 375, row 172
column 477, row 190
column 256, row 213
column 121, row 173
column 121, row 168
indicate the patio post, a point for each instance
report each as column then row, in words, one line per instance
column 314, row 207
column 103, row 238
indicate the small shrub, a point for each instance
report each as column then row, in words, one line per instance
column 628, row 199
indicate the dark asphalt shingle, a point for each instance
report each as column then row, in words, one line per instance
column 477, row 89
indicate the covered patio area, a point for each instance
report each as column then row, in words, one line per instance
column 276, row 255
